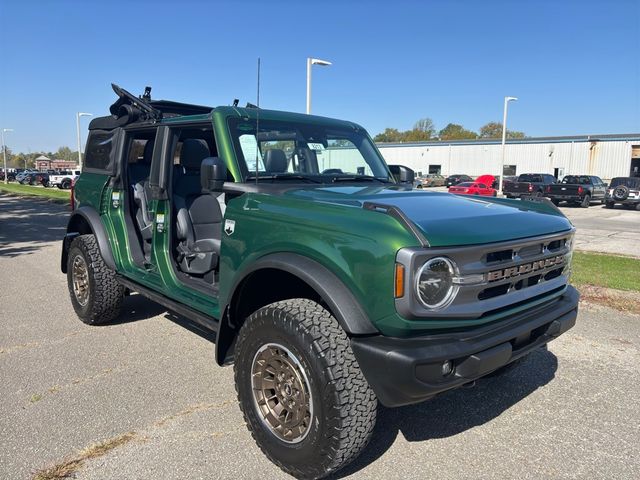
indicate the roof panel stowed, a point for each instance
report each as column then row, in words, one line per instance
column 128, row 109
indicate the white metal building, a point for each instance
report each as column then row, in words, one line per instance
column 606, row 156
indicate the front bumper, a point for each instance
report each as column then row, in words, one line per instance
column 403, row 371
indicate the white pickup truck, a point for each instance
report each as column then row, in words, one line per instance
column 63, row 180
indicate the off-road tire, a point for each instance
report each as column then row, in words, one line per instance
column 344, row 406
column 555, row 202
column 105, row 293
column 586, row 201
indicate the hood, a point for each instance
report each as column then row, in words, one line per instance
column 486, row 179
column 451, row 220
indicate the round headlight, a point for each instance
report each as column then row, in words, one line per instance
column 434, row 283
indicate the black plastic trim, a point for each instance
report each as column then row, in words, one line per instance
column 333, row 292
column 399, row 215
column 93, row 219
column 403, row 371
column 200, row 318
column 66, row 243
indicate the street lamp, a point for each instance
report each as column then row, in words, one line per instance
column 312, row 61
column 504, row 135
column 78, row 115
column 4, row 151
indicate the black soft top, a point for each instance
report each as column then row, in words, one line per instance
column 128, row 109
column 630, row 182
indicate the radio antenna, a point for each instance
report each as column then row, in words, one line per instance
column 258, row 123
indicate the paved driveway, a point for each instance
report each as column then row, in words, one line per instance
column 569, row 412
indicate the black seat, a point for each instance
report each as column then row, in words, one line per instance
column 275, row 161
column 139, row 179
column 199, row 217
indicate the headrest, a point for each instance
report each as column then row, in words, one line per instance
column 194, row 150
column 148, row 152
column 275, row 161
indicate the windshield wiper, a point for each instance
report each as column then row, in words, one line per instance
column 358, row 178
column 284, row 176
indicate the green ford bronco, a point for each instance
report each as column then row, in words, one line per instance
column 329, row 283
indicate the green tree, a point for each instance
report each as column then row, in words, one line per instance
column 416, row 135
column 453, row 131
column 389, row 135
column 65, row 153
column 494, row 130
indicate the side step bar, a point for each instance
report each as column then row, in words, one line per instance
column 205, row 321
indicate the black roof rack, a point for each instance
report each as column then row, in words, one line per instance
column 128, row 109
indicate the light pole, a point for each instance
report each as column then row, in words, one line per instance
column 4, row 152
column 78, row 115
column 504, row 135
column 312, row 61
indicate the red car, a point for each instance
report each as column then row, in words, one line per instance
column 473, row 188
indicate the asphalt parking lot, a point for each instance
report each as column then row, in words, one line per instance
column 567, row 412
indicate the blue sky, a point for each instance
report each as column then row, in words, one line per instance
column 573, row 64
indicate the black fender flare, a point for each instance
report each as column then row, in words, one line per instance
column 91, row 217
column 340, row 300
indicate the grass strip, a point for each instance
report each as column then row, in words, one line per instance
column 608, row 271
column 60, row 196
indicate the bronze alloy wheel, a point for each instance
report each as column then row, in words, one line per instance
column 80, row 276
column 281, row 393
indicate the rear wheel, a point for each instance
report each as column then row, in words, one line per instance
column 95, row 293
column 609, row 204
column 586, row 201
column 302, row 393
column 66, row 184
column 555, row 202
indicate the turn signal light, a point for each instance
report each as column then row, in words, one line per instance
column 399, row 281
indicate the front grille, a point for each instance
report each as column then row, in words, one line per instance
column 527, row 251
column 513, row 273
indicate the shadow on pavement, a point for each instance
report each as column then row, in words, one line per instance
column 30, row 222
column 444, row 416
column 137, row 307
column 456, row 411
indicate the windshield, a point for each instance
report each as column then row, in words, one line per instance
column 305, row 151
column 629, row 182
column 576, row 180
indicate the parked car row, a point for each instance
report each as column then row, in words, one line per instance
column 51, row 178
column 575, row 190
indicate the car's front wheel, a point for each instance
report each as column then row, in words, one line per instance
column 302, row 393
column 96, row 295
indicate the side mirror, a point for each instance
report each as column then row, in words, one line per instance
column 213, row 174
column 402, row 174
